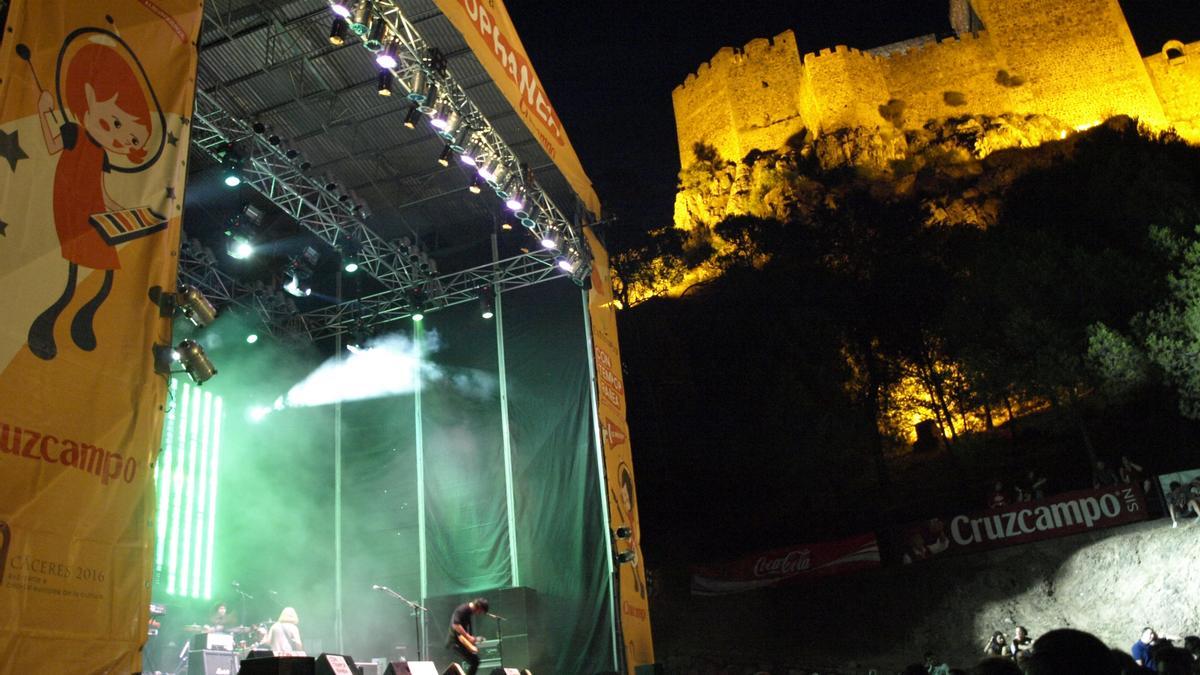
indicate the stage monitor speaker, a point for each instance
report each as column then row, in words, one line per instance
column 510, row 671
column 411, row 668
column 649, row 669
column 367, row 667
column 453, row 669
column 279, row 665
column 336, row 664
column 211, row 662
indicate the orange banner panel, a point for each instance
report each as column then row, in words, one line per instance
column 634, row 605
column 94, row 105
column 489, row 31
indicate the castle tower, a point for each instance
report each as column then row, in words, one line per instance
column 1077, row 57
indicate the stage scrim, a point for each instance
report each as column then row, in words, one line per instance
column 94, row 101
column 489, row 31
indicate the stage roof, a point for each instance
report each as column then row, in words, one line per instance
column 271, row 61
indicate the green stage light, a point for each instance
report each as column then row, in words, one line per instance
column 187, row 484
column 252, row 338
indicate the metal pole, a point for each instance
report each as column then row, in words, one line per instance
column 419, row 344
column 337, row 499
column 602, row 474
column 507, row 437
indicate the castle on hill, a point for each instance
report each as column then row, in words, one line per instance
column 1073, row 60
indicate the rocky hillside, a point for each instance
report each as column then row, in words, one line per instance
column 1111, row 583
column 958, row 169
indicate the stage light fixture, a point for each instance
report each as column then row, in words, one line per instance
column 550, row 240
column 296, row 288
column 470, row 154
column 259, row 127
column 383, row 82
column 506, row 226
column 195, row 306
column 387, row 57
column 351, row 265
column 570, row 264
column 338, row 32
column 444, row 158
column 376, row 35
column 410, row 119
column 487, row 306
column 252, row 338
column 447, row 123
column 476, row 185
column 462, row 141
column 624, row 532
column 441, row 111
column 627, row 557
column 360, row 16
column 416, row 86
column 488, row 171
column 231, row 168
column 516, row 199
column 239, row 247
column 195, row 362
column 418, row 314
column 341, row 8
column 429, row 98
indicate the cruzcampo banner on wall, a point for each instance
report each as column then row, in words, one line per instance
column 489, row 32
column 634, row 605
column 94, row 105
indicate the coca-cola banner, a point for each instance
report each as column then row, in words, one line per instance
column 788, row 565
column 1055, row 516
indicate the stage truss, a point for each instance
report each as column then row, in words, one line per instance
column 309, row 200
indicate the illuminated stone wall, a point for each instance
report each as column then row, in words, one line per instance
column 1074, row 60
column 1175, row 73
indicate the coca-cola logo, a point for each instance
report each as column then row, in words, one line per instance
column 794, row 561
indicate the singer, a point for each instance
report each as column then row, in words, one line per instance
column 460, row 638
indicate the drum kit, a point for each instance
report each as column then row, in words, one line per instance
column 244, row 638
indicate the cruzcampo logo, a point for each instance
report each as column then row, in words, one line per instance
column 5, row 537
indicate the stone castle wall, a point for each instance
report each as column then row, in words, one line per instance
column 1074, row 60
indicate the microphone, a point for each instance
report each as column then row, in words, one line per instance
column 272, row 592
column 496, row 617
column 377, row 587
column 236, row 585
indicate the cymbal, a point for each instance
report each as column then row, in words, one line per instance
column 193, row 628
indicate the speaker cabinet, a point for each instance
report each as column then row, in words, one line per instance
column 211, row 662
column 411, row 668
column 279, row 665
column 336, row 664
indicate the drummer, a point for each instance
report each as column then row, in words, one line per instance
column 220, row 619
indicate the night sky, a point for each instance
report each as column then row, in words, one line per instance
column 609, row 68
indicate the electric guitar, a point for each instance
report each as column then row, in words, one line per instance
column 471, row 644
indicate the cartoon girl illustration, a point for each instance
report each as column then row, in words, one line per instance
column 100, row 90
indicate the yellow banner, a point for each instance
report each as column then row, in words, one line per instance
column 634, row 606
column 94, row 105
column 489, row 31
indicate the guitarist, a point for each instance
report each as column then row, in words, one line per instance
column 460, row 638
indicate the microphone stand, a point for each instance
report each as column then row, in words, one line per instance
column 417, row 610
column 499, row 635
column 237, row 588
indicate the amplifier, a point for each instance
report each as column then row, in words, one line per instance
column 211, row 662
column 213, row 641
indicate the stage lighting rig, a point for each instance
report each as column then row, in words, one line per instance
column 231, row 166
column 190, row 355
column 190, row 302
column 376, row 35
column 241, row 231
column 360, row 16
column 487, row 304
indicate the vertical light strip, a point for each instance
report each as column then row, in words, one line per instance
column 201, row 519
column 163, row 480
column 185, row 568
column 419, row 339
column 177, row 488
column 212, row 496
column 506, row 436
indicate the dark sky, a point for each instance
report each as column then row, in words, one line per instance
column 609, row 68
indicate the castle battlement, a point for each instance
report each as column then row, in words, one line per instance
column 1076, row 62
